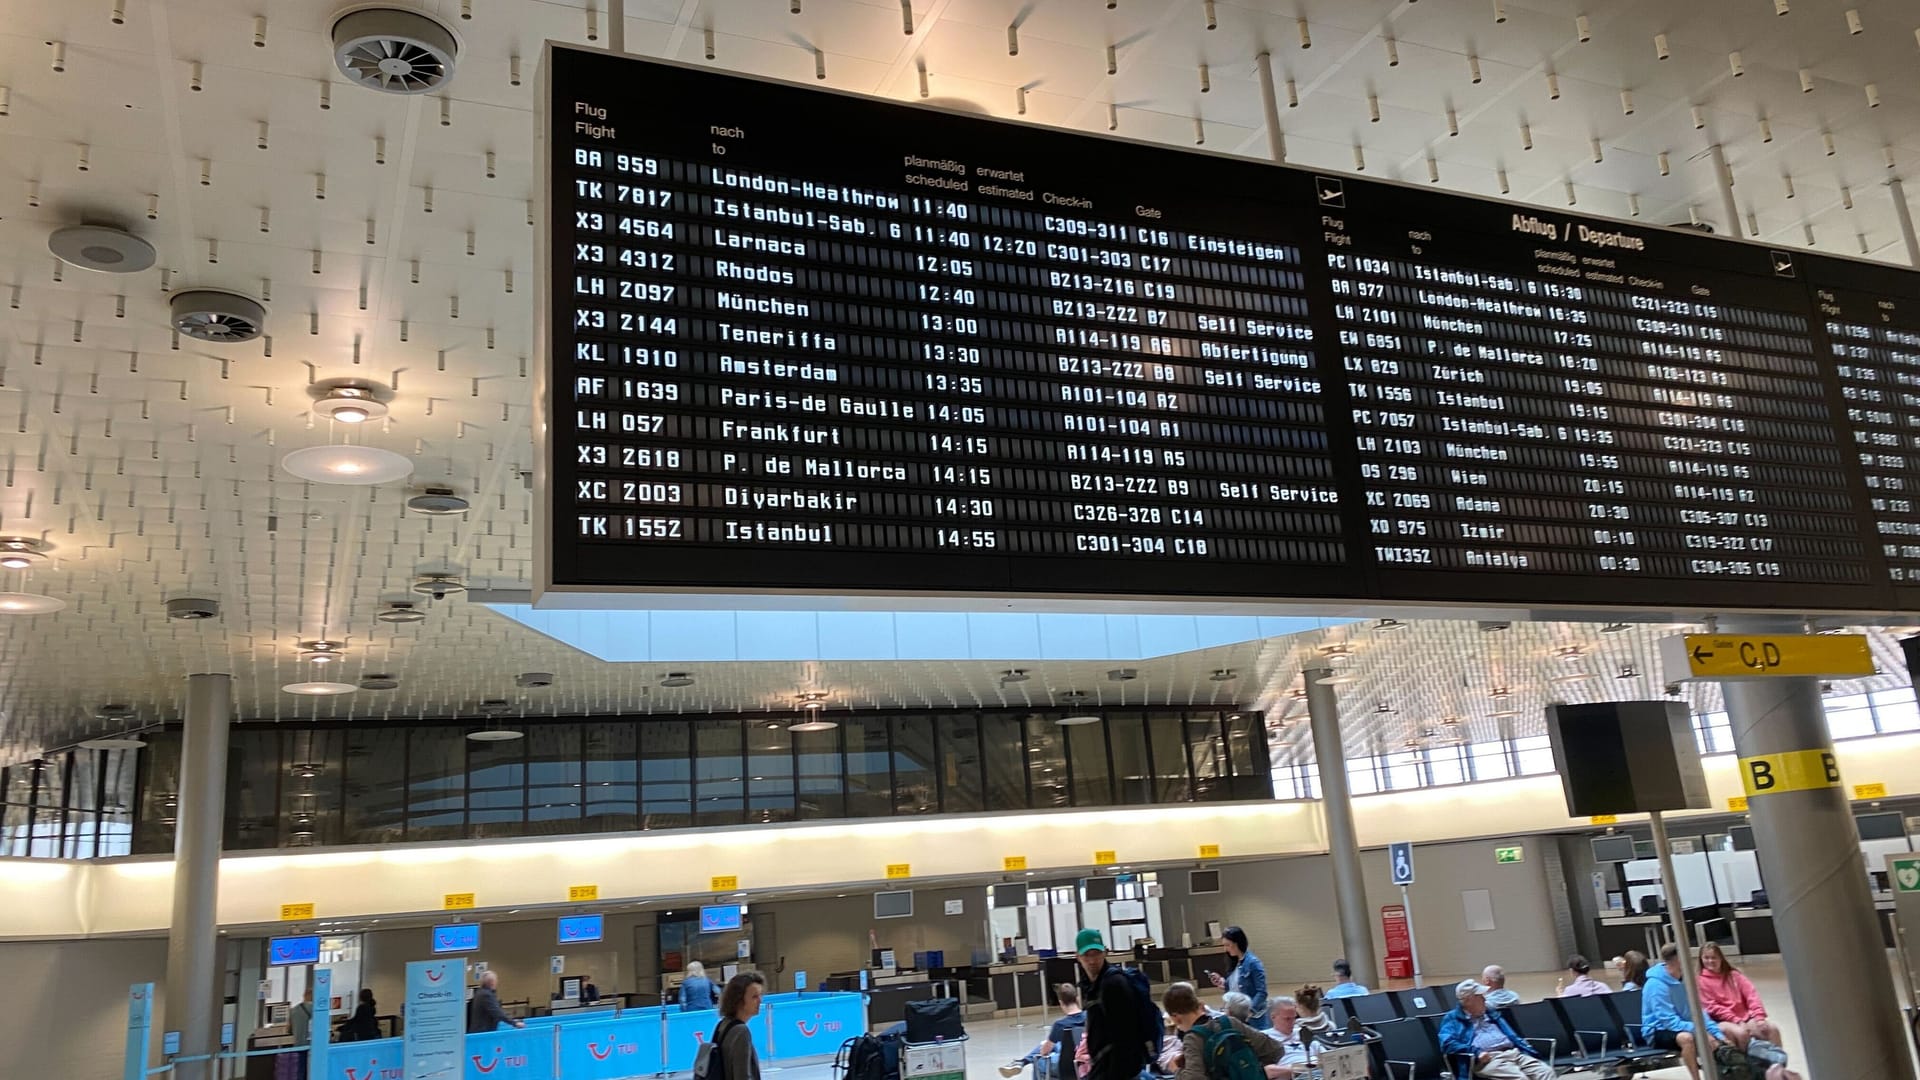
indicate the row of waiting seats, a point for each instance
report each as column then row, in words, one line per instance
column 1577, row 1034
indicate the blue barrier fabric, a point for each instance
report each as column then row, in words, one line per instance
column 638, row 1043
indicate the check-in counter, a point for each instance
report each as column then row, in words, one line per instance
column 1618, row 933
column 1753, row 932
column 1207, row 960
column 1019, row 985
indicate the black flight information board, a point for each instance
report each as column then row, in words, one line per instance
column 807, row 342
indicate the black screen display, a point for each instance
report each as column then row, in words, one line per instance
column 807, row 341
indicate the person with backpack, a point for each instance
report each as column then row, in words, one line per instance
column 1218, row 1047
column 1123, row 1023
column 729, row 1053
column 1062, row 1036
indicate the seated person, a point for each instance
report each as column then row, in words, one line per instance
column 1498, row 996
column 1478, row 1041
column 1633, row 969
column 1072, row 1022
column 1314, row 1021
column 1583, row 984
column 1729, row 997
column 1343, row 984
column 1666, row 1017
column 1192, row 1021
column 589, row 993
column 1286, row 1031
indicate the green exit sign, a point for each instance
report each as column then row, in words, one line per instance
column 1513, row 854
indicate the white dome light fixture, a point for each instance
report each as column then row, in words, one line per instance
column 322, row 652
column 344, row 464
column 20, row 603
column 1077, row 721
column 349, row 401
column 318, row 689
column 21, row 553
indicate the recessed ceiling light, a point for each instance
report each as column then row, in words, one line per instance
column 344, row 464
column 1077, row 721
column 19, row 603
column 319, row 689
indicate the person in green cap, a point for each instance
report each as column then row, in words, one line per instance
column 1116, row 1045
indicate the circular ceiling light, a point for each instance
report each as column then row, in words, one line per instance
column 1225, row 674
column 1077, row 721
column 21, row 553
column 401, row 611
column 1387, row 626
column 347, row 465
column 815, row 724
column 349, row 402
column 102, row 248
column 438, row 501
column 21, row 603
column 319, row 689
column 378, row 682
column 495, row 735
column 439, row 586
column 114, row 742
column 677, row 679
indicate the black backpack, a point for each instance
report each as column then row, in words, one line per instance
column 861, row 1058
column 710, row 1063
column 1153, row 1025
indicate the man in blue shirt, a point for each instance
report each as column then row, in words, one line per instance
column 1666, row 1016
column 1061, row 1039
column 1478, row 1042
column 1343, row 984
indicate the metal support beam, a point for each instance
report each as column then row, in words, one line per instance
column 1677, row 917
column 617, row 27
column 1723, row 179
column 1276, row 139
column 1904, row 214
column 193, row 943
column 1809, row 853
column 1343, row 841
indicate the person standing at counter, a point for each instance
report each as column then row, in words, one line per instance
column 484, row 1013
column 696, row 990
column 362, row 1025
column 1247, row 976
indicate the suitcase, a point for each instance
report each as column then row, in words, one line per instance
column 934, row 1020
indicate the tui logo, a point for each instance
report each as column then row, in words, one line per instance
column 498, row 1059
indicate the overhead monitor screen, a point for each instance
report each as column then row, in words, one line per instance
column 1613, row 848
column 293, row 950
column 717, row 917
column 457, row 938
column 892, row 905
column 575, row 929
column 896, row 350
column 1203, row 881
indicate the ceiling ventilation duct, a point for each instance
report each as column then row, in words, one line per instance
column 394, row 51
column 221, row 317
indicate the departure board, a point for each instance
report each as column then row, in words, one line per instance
column 805, row 341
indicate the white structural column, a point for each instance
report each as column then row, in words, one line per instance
column 1723, row 179
column 1904, row 214
column 1276, row 139
column 1809, row 850
column 193, row 941
column 1343, row 840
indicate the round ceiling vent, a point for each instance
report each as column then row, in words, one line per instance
column 378, row 682
column 394, row 51
column 439, row 586
column 401, row 611
column 221, row 317
column 102, row 248
column 438, row 501
column 192, row 608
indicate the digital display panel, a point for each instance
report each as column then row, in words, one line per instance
column 293, row 950
column 899, row 350
column 717, row 917
column 457, row 938
column 578, row 928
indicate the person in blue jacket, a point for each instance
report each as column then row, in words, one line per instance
column 1665, row 1015
column 696, row 990
column 1248, row 976
column 1478, row 1042
column 1343, row 984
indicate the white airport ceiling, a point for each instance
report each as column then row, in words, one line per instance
column 390, row 238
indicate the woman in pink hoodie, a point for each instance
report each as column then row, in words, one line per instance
column 1729, row 997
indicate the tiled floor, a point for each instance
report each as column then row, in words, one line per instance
column 993, row 1042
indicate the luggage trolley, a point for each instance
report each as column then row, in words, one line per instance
column 942, row 1060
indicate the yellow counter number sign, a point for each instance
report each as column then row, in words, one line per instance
column 1795, row 770
column 578, row 893
column 725, row 882
column 456, row 901
column 1013, row 863
column 295, row 912
column 899, row 871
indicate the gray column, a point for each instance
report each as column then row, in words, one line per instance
column 193, row 942
column 1276, row 138
column 1343, row 843
column 1817, row 886
column 1903, row 214
column 1723, row 179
